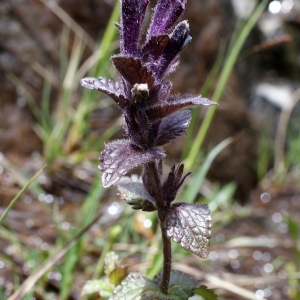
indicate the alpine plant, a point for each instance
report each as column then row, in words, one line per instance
column 153, row 117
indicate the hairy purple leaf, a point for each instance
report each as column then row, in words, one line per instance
column 164, row 91
column 178, row 41
column 175, row 103
column 173, row 126
column 155, row 47
column 159, row 93
column 107, row 86
column 132, row 16
column 132, row 190
column 190, row 226
column 132, row 70
column 179, row 38
column 173, row 182
column 179, row 173
column 172, row 66
column 166, row 13
column 120, row 156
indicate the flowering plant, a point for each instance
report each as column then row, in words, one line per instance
column 153, row 117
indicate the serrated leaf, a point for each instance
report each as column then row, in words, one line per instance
column 107, row 86
column 132, row 190
column 206, row 293
column 172, row 127
column 181, row 286
column 103, row 287
column 135, row 287
column 190, row 226
column 175, row 103
column 120, row 156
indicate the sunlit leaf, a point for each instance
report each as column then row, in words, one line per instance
column 138, row 287
column 135, row 287
column 175, row 103
column 190, row 226
column 107, row 86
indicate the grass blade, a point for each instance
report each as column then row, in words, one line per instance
column 204, row 91
column 193, row 188
column 99, row 59
column 66, row 19
column 226, row 71
column 11, row 204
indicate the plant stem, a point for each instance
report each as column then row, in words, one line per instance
column 166, row 273
column 283, row 121
column 153, row 186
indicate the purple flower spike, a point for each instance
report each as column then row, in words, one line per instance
column 152, row 117
column 166, row 13
column 132, row 16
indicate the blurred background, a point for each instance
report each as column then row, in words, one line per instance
column 244, row 54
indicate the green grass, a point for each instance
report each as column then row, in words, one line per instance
column 17, row 197
column 236, row 45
